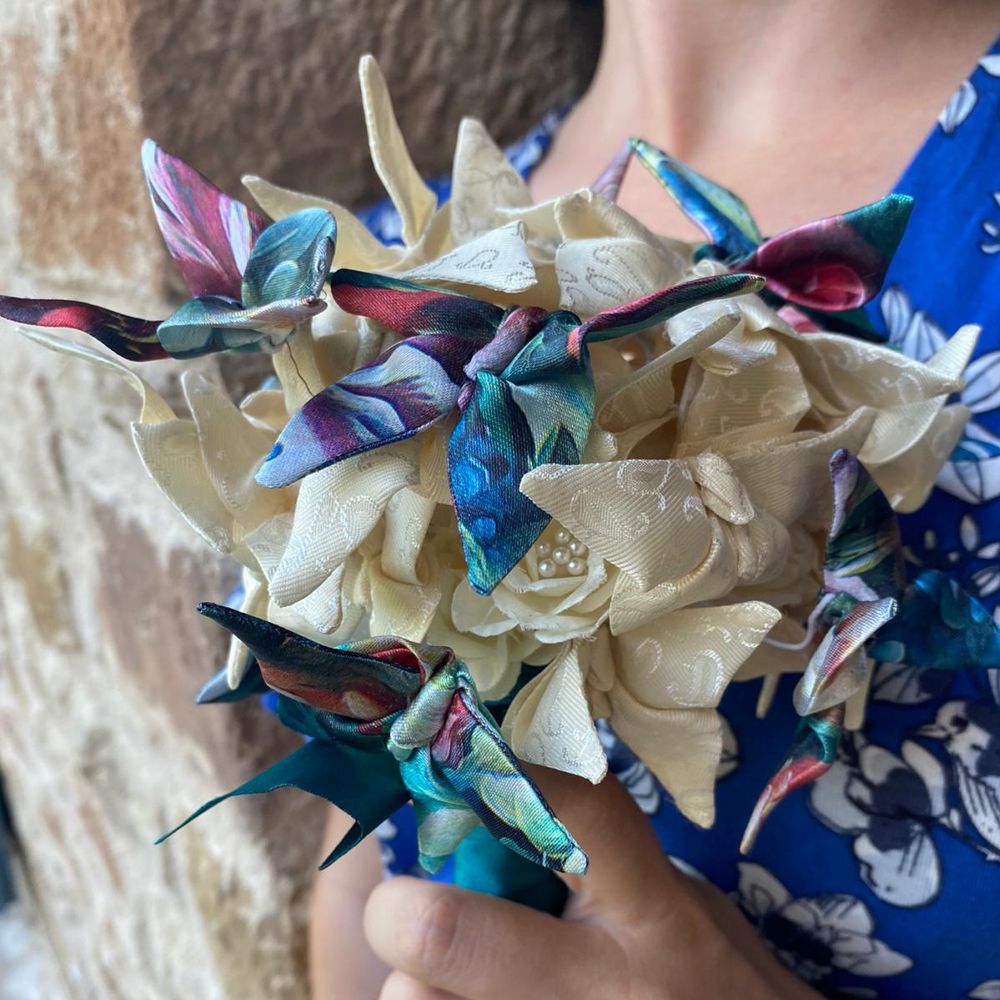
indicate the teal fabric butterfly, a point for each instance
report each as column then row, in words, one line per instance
column 252, row 283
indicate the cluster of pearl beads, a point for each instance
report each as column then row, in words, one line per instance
column 568, row 554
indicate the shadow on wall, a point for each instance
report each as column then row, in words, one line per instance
column 268, row 87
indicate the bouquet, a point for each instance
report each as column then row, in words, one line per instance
column 537, row 467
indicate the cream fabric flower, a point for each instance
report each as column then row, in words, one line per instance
column 744, row 414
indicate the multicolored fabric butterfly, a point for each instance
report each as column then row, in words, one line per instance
column 390, row 720
column 521, row 380
column 252, row 283
column 871, row 616
column 825, row 270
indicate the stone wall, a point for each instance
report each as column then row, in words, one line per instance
column 100, row 651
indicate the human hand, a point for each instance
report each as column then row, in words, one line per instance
column 634, row 927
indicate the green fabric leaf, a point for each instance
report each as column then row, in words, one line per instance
column 365, row 785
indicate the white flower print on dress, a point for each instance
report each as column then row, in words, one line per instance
column 991, row 244
column 983, row 581
column 990, row 990
column 815, row 935
column 965, row 98
column 385, row 833
column 973, row 472
column 630, row 771
column 902, row 684
column 730, row 759
column 970, row 732
column 889, row 804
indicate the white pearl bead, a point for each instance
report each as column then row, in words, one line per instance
column 561, row 556
column 577, row 567
column 546, row 568
column 563, row 537
column 577, row 547
column 544, row 549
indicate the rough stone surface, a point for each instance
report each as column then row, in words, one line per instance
column 100, row 651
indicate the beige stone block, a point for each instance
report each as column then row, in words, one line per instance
column 101, row 652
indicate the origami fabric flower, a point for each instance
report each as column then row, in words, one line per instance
column 521, row 380
column 832, row 266
column 391, row 719
column 252, row 283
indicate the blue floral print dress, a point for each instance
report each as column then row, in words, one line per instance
column 883, row 879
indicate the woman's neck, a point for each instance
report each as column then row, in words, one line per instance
column 804, row 107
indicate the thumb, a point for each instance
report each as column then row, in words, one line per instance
column 626, row 860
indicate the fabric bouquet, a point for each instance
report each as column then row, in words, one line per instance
column 534, row 467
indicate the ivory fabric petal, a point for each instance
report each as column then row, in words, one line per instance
column 413, row 199
column 549, row 722
column 645, row 517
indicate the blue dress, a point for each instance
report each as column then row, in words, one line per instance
column 883, row 879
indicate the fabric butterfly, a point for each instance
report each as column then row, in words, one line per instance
column 252, row 283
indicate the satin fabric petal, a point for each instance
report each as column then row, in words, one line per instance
column 131, row 338
column 408, row 308
column 834, row 264
column 363, row 784
column 538, row 411
column 939, row 625
column 363, row 686
column 719, row 213
column 472, row 755
column 291, row 258
column 212, row 323
column 839, row 667
column 665, row 304
column 864, row 550
column 814, row 748
column 208, row 234
column 405, row 390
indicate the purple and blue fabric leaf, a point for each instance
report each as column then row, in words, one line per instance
column 208, row 234
column 941, row 626
column 721, row 215
column 409, row 387
column 812, row 752
column 389, row 720
column 128, row 336
column 536, row 411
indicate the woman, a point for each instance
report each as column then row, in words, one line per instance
column 883, row 880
